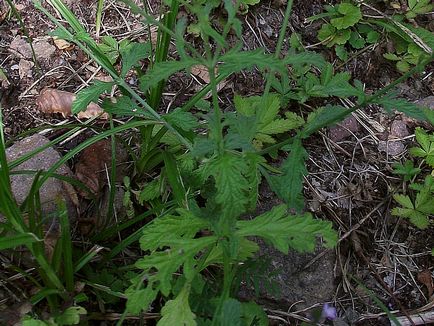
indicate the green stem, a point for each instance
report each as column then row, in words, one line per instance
column 98, row 17
column 162, row 51
column 279, row 45
column 215, row 101
column 227, row 282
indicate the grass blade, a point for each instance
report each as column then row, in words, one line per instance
column 174, row 178
column 65, row 238
column 18, row 240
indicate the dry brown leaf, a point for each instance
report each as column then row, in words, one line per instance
column 62, row 44
column 93, row 164
column 43, row 49
column 21, row 48
column 54, row 101
column 357, row 243
column 425, row 278
column 4, row 10
column 154, row 35
column 19, row 7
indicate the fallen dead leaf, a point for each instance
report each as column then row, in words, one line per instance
column 103, row 77
column 62, row 44
column 54, row 101
column 93, row 165
column 426, row 279
column 201, row 72
column 4, row 10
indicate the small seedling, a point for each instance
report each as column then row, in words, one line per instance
column 407, row 170
column 426, row 149
column 345, row 28
column 419, row 209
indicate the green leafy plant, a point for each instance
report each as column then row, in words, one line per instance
column 267, row 122
column 345, row 27
column 407, row 55
column 71, row 316
column 426, row 149
column 410, row 44
column 199, row 171
column 418, row 7
column 407, row 170
column 419, row 206
column 419, row 210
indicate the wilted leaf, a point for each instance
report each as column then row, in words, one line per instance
column 54, row 101
column 93, row 164
column 425, row 278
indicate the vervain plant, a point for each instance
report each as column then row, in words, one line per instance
column 213, row 176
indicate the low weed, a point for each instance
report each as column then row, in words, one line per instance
column 418, row 204
column 209, row 161
column 347, row 30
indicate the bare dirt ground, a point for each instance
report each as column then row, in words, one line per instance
column 350, row 179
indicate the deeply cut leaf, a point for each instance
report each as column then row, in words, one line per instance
column 289, row 185
column 90, row 94
column 286, row 231
column 177, row 311
column 131, row 53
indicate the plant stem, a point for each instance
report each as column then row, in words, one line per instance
column 279, row 46
column 98, row 17
column 215, row 101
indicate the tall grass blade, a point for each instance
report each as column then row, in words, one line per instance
column 65, row 238
column 98, row 17
column 18, row 240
